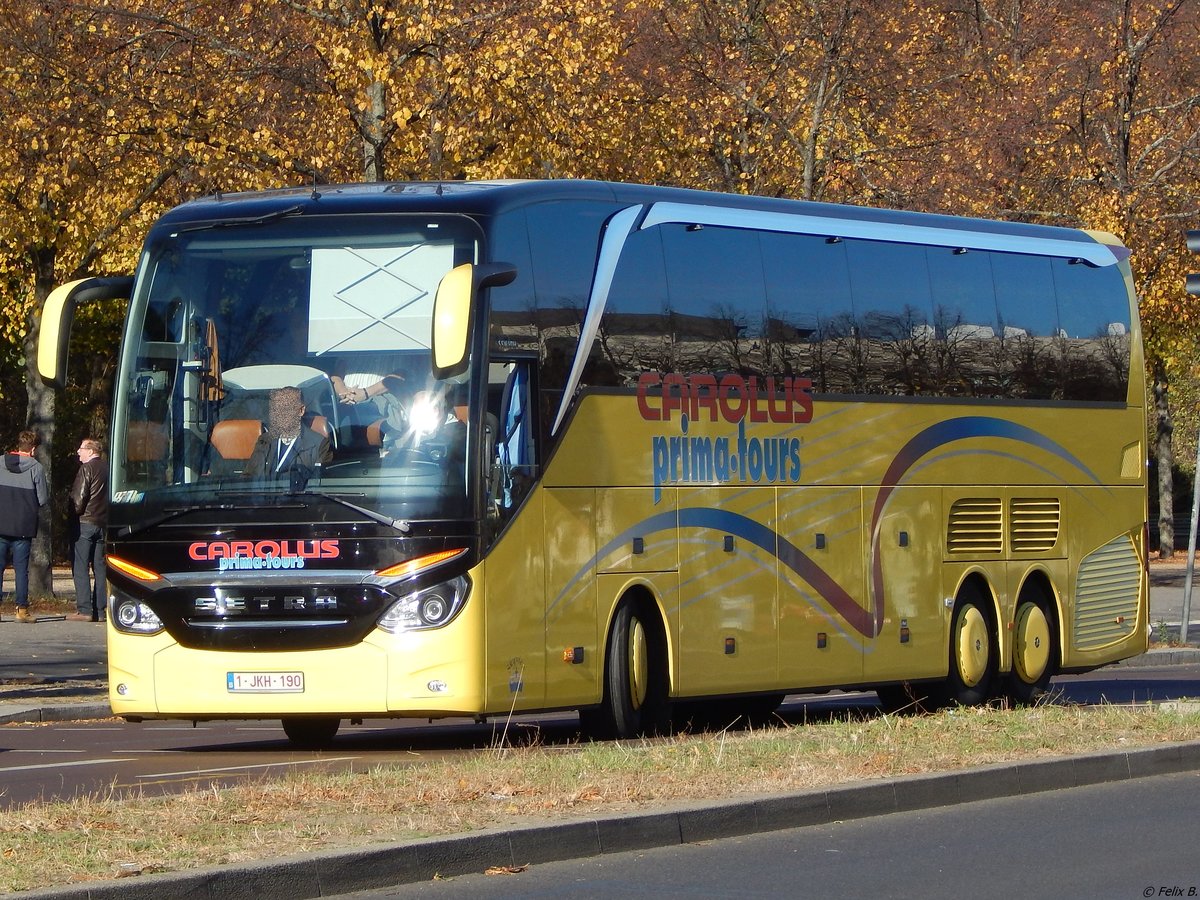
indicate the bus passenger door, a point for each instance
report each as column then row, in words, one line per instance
column 574, row 655
column 515, row 519
column 515, row 571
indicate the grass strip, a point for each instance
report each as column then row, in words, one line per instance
column 49, row 844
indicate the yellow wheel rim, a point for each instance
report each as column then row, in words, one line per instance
column 1031, row 643
column 971, row 646
column 639, row 664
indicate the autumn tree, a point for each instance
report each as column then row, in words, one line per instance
column 519, row 88
column 1125, row 157
column 759, row 95
column 112, row 113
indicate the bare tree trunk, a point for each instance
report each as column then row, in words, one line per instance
column 40, row 418
column 1164, row 427
column 374, row 168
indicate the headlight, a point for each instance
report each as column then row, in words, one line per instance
column 428, row 608
column 135, row 618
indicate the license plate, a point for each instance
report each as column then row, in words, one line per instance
column 265, row 682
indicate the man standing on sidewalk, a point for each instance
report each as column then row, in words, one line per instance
column 89, row 501
column 23, row 491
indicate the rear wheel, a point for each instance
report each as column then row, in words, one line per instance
column 1034, row 651
column 311, row 733
column 972, row 660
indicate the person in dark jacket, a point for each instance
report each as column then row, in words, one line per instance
column 286, row 449
column 23, row 491
column 89, row 501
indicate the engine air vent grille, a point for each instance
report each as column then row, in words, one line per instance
column 1107, row 591
column 1034, row 524
column 975, row 526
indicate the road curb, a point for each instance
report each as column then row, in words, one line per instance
column 1165, row 656
column 372, row 868
column 61, row 712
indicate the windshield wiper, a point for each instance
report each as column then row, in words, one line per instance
column 401, row 525
column 167, row 516
column 248, row 220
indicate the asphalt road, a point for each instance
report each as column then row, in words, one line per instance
column 72, row 759
column 1119, row 841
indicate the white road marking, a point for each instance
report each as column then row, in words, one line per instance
column 62, row 765
column 294, row 762
column 35, row 750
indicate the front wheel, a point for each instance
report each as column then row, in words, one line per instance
column 311, row 733
column 635, row 679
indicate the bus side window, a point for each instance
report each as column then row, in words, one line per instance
column 514, row 463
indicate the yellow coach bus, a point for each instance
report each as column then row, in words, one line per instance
column 466, row 449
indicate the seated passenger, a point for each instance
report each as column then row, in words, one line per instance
column 355, row 388
column 378, row 411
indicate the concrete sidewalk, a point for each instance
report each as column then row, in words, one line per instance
column 54, row 669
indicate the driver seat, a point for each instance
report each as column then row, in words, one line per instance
column 234, row 441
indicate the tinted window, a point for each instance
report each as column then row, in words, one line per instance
column 1025, row 295
column 1088, row 305
column 554, row 247
column 638, row 330
column 715, row 278
column 1094, row 318
column 856, row 317
column 808, row 304
column 962, row 291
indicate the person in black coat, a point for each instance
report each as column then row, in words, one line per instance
column 287, row 449
column 89, row 502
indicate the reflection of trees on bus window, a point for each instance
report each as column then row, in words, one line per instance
column 272, row 330
column 856, row 316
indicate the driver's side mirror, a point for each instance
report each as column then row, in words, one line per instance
column 454, row 313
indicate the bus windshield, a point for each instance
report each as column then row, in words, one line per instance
column 290, row 356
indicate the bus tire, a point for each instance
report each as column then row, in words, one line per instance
column 972, row 651
column 311, row 732
column 1035, row 649
column 635, row 678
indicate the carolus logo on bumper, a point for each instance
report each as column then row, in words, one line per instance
column 266, row 554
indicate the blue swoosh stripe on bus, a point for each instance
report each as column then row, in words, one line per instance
column 938, row 435
column 748, row 529
column 867, row 622
column 787, row 553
